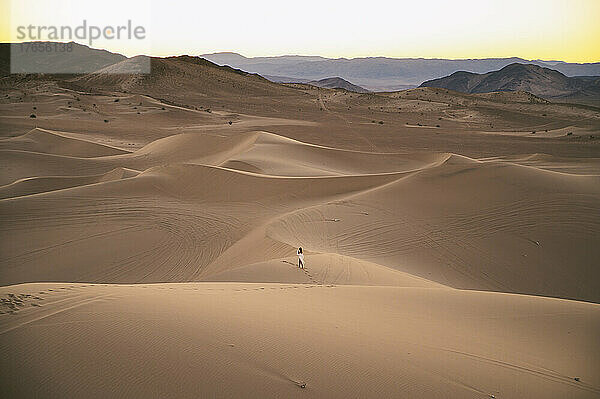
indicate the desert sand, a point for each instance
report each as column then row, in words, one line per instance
column 149, row 234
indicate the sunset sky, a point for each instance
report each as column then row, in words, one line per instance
column 531, row 29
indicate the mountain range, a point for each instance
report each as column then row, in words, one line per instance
column 543, row 82
column 111, row 68
column 382, row 73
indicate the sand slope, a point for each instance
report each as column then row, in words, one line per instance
column 52, row 142
column 185, row 218
column 451, row 224
column 324, row 269
column 264, row 340
column 34, row 185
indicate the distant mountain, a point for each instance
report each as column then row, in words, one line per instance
column 57, row 58
column 540, row 81
column 229, row 57
column 381, row 73
column 338, row 83
column 330, row 83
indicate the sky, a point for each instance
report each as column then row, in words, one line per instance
column 530, row 29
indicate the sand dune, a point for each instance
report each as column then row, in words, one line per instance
column 35, row 185
column 276, row 155
column 52, row 142
column 568, row 165
column 265, row 340
column 160, row 204
column 148, row 240
column 450, row 225
column 324, row 269
column 430, row 215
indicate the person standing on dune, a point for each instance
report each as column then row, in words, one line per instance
column 300, row 258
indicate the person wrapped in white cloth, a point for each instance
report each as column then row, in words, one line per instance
column 300, row 258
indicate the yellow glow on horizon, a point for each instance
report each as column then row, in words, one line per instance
column 540, row 29
column 5, row 27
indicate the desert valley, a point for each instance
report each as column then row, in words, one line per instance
column 150, row 224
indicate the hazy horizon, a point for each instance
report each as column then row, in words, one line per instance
column 381, row 56
column 314, row 55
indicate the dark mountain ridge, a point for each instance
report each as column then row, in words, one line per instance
column 543, row 82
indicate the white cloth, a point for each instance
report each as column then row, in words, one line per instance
column 300, row 256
